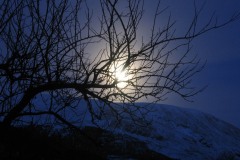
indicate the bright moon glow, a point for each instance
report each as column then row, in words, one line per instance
column 122, row 78
column 120, row 75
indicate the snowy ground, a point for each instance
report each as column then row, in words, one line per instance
column 182, row 133
column 179, row 133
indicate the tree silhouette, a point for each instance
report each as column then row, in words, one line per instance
column 57, row 53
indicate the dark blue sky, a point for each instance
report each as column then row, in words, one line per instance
column 221, row 49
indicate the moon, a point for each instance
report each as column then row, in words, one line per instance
column 122, row 78
column 120, row 75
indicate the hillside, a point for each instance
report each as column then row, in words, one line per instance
column 182, row 133
column 188, row 134
column 174, row 133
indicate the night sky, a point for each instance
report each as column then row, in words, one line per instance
column 221, row 49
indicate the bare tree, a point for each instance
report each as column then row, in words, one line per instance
column 57, row 53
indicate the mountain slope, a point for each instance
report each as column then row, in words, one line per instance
column 191, row 134
column 178, row 133
column 182, row 133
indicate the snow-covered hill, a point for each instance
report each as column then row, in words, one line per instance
column 182, row 133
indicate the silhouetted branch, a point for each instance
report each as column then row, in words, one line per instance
column 60, row 52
